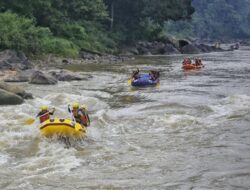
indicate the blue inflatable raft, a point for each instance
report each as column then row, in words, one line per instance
column 144, row 80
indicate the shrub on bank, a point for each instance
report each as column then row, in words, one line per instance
column 20, row 33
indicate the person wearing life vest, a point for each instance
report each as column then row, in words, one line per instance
column 154, row 75
column 187, row 61
column 80, row 114
column 135, row 74
column 44, row 113
column 197, row 63
column 84, row 117
column 75, row 107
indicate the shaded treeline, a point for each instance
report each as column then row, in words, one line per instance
column 215, row 19
column 64, row 27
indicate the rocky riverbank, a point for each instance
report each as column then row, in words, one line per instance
column 171, row 46
column 16, row 67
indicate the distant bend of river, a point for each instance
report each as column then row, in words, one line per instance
column 191, row 132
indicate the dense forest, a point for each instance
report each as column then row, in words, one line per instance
column 64, row 27
column 215, row 19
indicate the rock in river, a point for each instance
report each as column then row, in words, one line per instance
column 40, row 78
column 8, row 98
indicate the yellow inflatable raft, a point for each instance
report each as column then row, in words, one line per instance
column 62, row 127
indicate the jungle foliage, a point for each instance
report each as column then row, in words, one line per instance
column 64, row 27
column 213, row 19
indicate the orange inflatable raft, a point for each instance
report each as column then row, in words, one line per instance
column 191, row 66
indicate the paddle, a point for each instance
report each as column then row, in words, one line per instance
column 129, row 82
column 72, row 115
column 32, row 120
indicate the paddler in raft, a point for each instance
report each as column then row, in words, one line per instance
column 80, row 113
column 44, row 113
column 187, row 61
column 198, row 62
column 154, row 75
column 135, row 74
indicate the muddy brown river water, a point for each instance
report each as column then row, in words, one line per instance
column 190, row 132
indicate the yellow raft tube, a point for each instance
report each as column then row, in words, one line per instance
column 62, row 127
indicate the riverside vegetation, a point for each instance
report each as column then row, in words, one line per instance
column 63, row 27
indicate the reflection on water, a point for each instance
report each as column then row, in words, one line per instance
column 191, row 132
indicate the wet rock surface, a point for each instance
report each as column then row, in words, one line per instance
column 64, row 75
column 14, row 60
column 8, row 98
column 169, row 47
column 41, row 78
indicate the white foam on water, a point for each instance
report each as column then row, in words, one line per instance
column 173, row 119
column 102, row 118
column 52, row 157
column 12, row 138
column 94, row 133
column 64, row 99
column 97, row 93
column 3, row 159
column 229, row 106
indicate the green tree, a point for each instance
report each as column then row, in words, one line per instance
column 21, row 33
column 80, row 24
column 223, row 19
column 136, row 18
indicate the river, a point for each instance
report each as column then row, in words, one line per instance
column 190, row 132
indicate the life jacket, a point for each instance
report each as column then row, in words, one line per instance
column 186, row 61
column 152, row 76
column 135, row 75
column 84, row 117
column 44, row 116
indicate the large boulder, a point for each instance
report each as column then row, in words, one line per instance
column 172, row 40
column 143, row 48
column 18, row 77
column 8, row 98
column 170, row 49
column 128, row 51
column 63, row 75
column 134, row 51
column 89, row 54
column 157, row 48
column 190, row 49
column 15, row 60
column 15, row 90
column 40, row 78
column 150, row 48
column 206, row 48
column 144, row 51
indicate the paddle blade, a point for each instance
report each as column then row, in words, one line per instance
column 29, row 121
column 129, row 82
column 158, row 85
